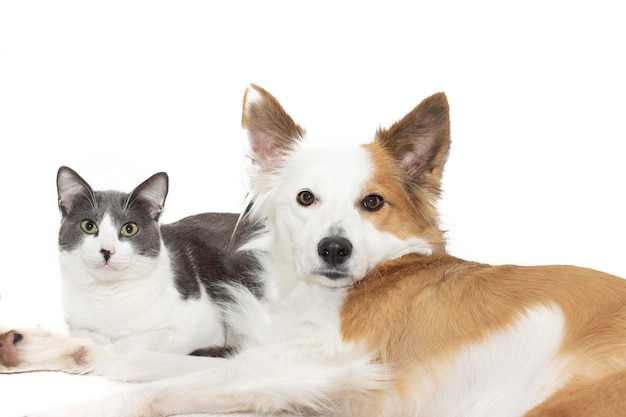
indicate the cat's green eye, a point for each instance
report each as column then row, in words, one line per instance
column 89, row 227
column 129, row 229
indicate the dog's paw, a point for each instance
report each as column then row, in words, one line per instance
column 8, row 352
column 39, row 350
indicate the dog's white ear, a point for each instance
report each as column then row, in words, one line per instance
column 271, row 131
column 420, row 141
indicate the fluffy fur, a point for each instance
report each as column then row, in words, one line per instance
column 365, row 313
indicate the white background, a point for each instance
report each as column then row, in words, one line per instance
column 119, row 90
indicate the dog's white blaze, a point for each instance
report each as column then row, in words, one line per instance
column 507, row 373
column 338, row 178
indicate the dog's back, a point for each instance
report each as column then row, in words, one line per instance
column 462, row 333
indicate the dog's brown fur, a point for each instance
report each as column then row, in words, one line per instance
column 415, row 310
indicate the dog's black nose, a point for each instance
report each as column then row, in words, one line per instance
column 334, row 250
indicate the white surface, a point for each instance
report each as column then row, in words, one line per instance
column 123, row 89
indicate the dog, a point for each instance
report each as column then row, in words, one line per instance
column 365, row 313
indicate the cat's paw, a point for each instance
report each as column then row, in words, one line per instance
column 38, row 350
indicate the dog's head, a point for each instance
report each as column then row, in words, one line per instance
column 336, row 213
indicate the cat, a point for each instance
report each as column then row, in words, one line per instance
column 130, row 281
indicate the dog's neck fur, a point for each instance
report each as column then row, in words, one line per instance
column 278, row 266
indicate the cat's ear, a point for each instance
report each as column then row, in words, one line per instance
column 271, row 131
column 152, row 191
column 70, row 185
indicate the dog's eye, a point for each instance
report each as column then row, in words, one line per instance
column 305, row 198
column 373, row 202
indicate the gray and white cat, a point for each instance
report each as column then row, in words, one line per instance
column 130, row 281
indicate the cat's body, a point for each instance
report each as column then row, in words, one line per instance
column 130, row 281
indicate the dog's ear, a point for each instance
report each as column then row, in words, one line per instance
column 271, row 131
column 420, row 141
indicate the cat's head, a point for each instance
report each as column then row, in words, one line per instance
column 109, row 235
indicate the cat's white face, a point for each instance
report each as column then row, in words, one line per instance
column 108, row 236
column 105, row 252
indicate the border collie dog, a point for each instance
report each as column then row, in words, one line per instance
column 365, row 313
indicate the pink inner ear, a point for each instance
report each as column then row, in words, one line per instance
column 267, row 152
column 66, row 204
column 271, row 131
column 8, row 355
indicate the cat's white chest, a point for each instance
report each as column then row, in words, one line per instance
column 139, row 308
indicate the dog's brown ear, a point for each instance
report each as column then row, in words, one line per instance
column 271, row 131
column 420, row 141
